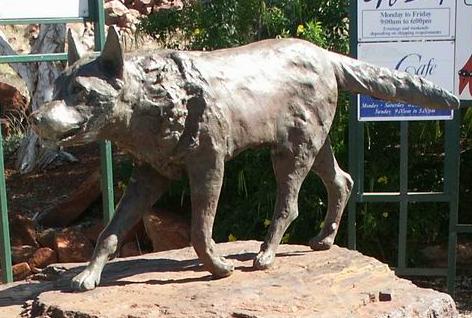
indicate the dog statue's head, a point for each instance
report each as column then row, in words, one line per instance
column 84, row 95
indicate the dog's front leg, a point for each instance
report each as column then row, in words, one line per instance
column 144, row 188
column 206, row 177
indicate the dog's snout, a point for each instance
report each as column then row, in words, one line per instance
column 55, row 119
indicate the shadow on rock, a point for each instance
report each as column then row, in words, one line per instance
column 114, row 273
column 19, row 292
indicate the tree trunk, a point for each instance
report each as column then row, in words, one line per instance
column 39, row 78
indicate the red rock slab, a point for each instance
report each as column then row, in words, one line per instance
column 23, row 231
column 302, row 283
column 129, row 249
column 68, row 210
column 22, row 253
column 72, row 245
column 43, row 257
column 21, row 271
column 167, row 230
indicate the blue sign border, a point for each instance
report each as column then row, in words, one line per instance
column 373, row 109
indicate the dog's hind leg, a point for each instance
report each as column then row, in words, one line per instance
column 339, row 184
column 205, row 172
column 290, row 170
column 144, row 188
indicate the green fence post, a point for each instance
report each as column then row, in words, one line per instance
column 451, row 187
column 353, row 132
column 352, row 204
column 7, row 275
column 105, row 146
column 403, row 218
column 107, row 181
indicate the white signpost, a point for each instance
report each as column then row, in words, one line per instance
column 431, row 60
column 400, row 20
column 33, row 9
column 433, row 39
column 430, row 38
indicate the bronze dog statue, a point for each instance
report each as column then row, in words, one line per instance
column 188, row 112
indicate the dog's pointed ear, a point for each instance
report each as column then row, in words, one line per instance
column 74, row 50
column 112, row 54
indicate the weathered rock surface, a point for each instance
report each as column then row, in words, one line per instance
column 21, row 270
column 72, row 245
column 129, row 249
column 302, row 283
column 20, row 254
column 14, row 99
column 43, row 257
column 68, row 210
column 166, row 230
column 23, row 231
column 437, row 255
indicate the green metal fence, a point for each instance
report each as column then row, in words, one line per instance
column 403, row 197
column 96, row 15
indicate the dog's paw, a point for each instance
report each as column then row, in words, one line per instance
column 87, row 280
column 222, row 268
column 319, row 243
column 264, row 260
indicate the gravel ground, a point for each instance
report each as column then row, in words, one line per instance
column 463, row 300
column 463, row 297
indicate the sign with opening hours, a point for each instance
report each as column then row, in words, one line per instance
column 431, row 60
column 392, row 20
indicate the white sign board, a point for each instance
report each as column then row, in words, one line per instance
column 392, row 20
column 463, row 74
column 431, row 60
column 31, row 9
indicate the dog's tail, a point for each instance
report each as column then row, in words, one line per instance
column 380, row 82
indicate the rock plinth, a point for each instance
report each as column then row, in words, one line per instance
column 302, row 283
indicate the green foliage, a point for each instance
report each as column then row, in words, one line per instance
column 209, row 25
column 16, row 122
column 11, row 144
column 162, row 24
column 313, row 32
column 468, row 121
column 275, row 22
column 206, row 25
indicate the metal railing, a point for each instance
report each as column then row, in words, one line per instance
column 97, row 16
column 403, row 197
